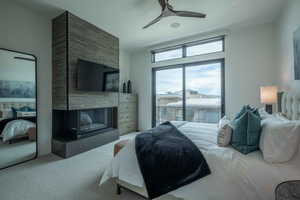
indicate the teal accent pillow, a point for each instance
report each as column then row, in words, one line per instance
column 246, row 131
column 22, row 109
column 245, row 109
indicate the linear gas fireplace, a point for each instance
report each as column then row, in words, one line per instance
column 78, row 124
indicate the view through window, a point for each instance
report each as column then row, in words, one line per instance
column 169, row 91
column 168, row 55
column 189, row 92
column 209, row 46
column 206, row 48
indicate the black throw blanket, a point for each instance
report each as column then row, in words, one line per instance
column 168, row 160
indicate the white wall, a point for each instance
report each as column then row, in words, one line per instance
column 288, row 23
column 25, row 31
column 28, row 31
column 124, row 67
column 15, row 69
column 249, row 64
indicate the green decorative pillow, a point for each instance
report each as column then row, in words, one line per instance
column 246, row 131
column 245, row 109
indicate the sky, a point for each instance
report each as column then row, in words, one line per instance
column 205, row 79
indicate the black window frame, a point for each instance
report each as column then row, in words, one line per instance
column 184, row 66
column 184, row 47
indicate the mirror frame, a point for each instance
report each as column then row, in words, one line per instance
column 36, row 107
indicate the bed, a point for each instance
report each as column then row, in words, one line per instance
column 16, row 119
column 234, row 175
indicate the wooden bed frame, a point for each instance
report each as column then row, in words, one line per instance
column 31, row 135
column 121, row 186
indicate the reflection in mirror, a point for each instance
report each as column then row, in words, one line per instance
column 18, row 132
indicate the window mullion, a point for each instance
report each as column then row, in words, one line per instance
column 184, row 51
column 183, row 93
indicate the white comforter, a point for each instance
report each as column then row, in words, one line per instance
column 234, row 176
column 15, row 129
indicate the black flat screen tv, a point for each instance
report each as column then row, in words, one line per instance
column 96, row 77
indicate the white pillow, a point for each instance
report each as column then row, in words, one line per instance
column 263, row 113
column 224, row 121
column 281, row 117
column 279, row 140
column 224, row 132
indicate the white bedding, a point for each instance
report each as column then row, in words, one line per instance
column 234, row 176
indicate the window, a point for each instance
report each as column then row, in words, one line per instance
column 189, row 92
column 168, row 55
column 206, row 48
column 202, row 47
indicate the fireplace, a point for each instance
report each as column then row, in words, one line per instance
column 76, row 124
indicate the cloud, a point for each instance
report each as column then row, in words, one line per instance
column 204, row 78
column 208, row 82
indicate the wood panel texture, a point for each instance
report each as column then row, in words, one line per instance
column 88, row 42
column 59, row 60
column 127, row 113
column 73, row 39
column 80, row 101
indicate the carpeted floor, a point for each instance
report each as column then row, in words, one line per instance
column 16, row 153
column 53, row 178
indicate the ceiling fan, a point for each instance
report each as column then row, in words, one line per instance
column 167, row 11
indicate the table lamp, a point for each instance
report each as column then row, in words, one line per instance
column 268, row 96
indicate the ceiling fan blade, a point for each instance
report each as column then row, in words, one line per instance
column 189, row 14
column 154, row 21
column 163, row 4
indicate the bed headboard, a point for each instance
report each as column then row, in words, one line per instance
column 5, row 108
column 9, row 105
column 289, row 105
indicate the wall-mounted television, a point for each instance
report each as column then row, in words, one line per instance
column 96, row 77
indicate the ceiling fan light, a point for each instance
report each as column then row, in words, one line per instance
column 175, row 25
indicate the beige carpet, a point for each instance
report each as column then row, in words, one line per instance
column 16, row 153
column 53, row 178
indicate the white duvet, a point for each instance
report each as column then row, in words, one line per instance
column 234, row 176
column 15, row 129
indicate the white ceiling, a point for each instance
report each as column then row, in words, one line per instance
column 125, row 18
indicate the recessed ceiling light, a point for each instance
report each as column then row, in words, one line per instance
column 175, row 25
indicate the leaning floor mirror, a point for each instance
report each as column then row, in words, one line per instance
column 18, row 104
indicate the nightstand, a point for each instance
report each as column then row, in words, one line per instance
column 289, row 190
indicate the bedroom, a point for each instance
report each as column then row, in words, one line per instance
column 258, row 51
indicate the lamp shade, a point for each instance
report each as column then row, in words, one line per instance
column 268, row 94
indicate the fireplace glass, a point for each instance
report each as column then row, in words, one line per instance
column 76, row 124
column 83, row 123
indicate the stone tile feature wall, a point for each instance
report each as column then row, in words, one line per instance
column 59, row 60
column 73, row 39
